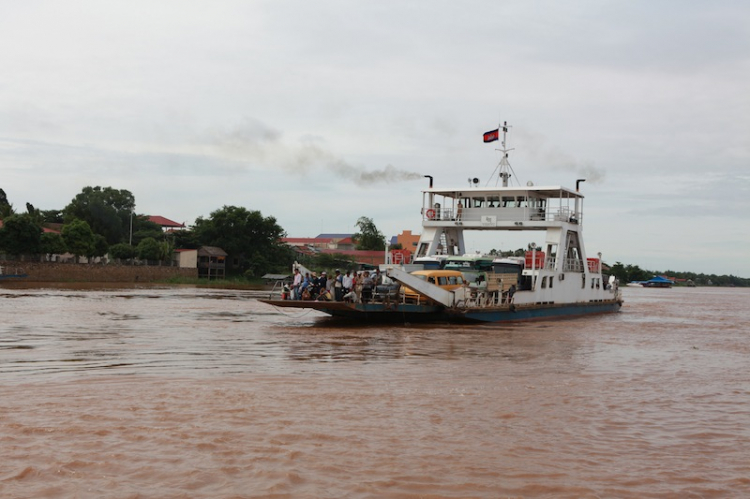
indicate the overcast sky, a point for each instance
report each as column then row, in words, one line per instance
column 317, row 113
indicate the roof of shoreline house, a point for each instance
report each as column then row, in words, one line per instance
column 306, row 240
column 211, row 251
column 164, row 222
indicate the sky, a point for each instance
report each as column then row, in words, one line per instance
column 318, row 113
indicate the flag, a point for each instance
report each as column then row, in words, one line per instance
column 491, row 136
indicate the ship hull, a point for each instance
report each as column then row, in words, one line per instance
column 535, row 312
column 404, row 312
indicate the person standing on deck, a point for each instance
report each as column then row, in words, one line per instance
column 347, row 281
column 338, row 286
column 296, row 283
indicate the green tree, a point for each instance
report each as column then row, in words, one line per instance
column 167, row 249
column 122, row 251
column 106, row 210
column 149, row 249
column 143, row 228
column 368, row 237
column 629, row 273
column 242, row 234
column 21, row 236
column 185, row 239
column 79, row 238
column 332, row 261
column 52, row 216
column 100, row 247
column 53, row 244
column 6, row 209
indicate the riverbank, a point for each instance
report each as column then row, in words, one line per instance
column 85, row 272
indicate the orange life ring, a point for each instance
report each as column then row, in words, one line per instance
column 430, row 213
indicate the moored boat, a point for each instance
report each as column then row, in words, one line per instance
column 657, row 282
column 557, row 279
column 12, row 273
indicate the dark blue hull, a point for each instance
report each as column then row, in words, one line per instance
column 536, row 312
column 404, row 312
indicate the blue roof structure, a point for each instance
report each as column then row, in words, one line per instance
column 657, row 282
column 660, row 279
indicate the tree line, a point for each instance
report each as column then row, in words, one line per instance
column 629, row 273
column 102, row 221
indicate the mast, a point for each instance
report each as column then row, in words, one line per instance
column 503, row 168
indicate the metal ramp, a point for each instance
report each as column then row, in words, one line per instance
column 424, row 288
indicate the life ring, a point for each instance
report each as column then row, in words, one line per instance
column 430, row 213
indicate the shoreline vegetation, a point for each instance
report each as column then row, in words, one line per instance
column 632, row 273
column 229, row 283
column 625, row 274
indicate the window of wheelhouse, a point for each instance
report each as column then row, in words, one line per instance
column 537, row 207
column 422, row 251
column 477, row 202
column 493, row 201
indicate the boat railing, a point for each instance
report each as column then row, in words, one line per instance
column 572, row 265
column 493, row 215
column 280, row 290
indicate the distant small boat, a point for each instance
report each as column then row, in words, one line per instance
column 12, row 273
column 657, row 282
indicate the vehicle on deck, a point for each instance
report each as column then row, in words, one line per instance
column 445, row 279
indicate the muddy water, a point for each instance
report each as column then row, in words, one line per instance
column 182, row 392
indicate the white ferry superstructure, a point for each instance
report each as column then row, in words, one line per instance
column 557, row 279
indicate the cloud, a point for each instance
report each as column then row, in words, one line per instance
column 555, row 157
column 256, row 142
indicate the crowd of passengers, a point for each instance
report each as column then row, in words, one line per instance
column 353, row 287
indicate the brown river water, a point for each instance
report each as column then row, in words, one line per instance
column 184, row 392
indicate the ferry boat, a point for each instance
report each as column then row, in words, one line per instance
column 557, row 279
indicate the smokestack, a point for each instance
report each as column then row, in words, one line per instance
column 429, row 177
column 577, row 215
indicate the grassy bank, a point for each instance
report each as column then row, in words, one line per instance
column 230, row 283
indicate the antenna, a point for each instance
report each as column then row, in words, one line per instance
column 505, row 171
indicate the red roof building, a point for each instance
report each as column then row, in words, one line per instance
column 165, row 223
